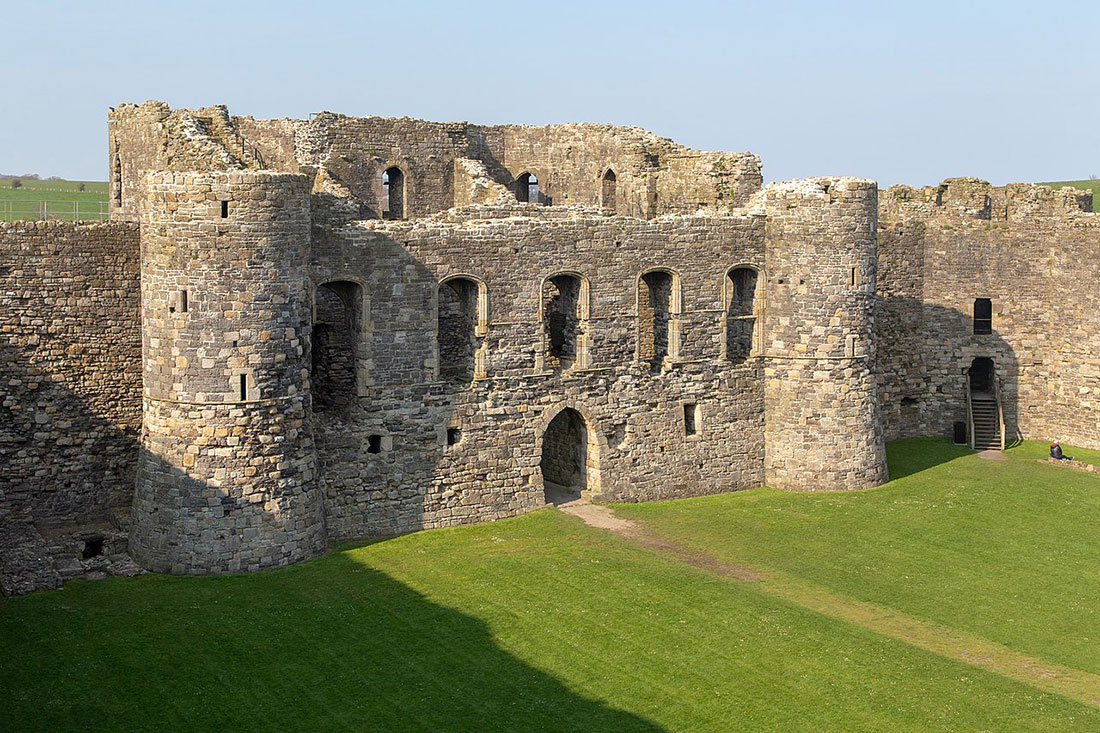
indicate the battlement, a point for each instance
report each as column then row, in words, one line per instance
column 973, row 198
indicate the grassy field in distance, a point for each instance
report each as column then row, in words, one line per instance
column 1089, row 185
column 542, row 622
column 58, row 196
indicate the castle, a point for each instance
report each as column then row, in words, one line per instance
column 294, row 332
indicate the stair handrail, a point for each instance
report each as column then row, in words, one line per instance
column 1000, row 410
column 969, row 415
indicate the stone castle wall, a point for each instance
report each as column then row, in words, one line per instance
column 70, row 399
column 639, row 448
column 227, row 479
column 70, row 355
column 348, row 155
column 822, row 426
column 314, row 370
column 1029, row 249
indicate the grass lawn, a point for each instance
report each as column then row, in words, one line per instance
column 58, row 197
column 543, row 622
column 1089, row 185
column 1005, row 550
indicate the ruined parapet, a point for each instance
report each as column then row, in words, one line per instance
column 226, row 478
column 822, row 428
column 975, row 199
column 1025, row 201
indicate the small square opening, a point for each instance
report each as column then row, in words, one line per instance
column 92, row 548
column 454, row 436
column 374, row 444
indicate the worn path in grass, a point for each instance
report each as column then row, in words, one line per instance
column 1073, row 683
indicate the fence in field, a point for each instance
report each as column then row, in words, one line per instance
column 28, row 209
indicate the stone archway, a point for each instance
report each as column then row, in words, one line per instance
column 568, row 458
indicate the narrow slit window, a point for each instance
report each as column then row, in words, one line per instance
column 983, row 315
column 854, row 282
column 183, row 301
column 225, row 209
column 243, row 386
column 374, row 444
column 691, row 418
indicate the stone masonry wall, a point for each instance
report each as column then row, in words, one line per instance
column 1029, row 249
column 822, row 427
column 387, row 461
column 227, row 478
column 70, row 355
column 70, row 399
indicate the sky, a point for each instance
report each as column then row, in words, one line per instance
column 900, row 92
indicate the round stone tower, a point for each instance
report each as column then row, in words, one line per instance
column 822, row 429
column 227, row 477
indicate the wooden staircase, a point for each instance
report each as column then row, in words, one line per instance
column 985, row 422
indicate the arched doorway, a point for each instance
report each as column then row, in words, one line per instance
column 981, row 375
column 568, row 457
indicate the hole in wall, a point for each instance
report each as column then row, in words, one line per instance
column 454, row 436
column 243, row 387
column 225, row 209
column 93, row 547
column 374, row 444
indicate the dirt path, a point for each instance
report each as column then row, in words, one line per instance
column 1073, row 683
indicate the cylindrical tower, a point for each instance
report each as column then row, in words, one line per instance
column 822, row 429
column 227, row 477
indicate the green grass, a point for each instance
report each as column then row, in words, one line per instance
column 542, row 622
column 55, row 197
column 1089, row 185
column 1004, row 550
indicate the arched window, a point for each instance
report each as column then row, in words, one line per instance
column 658, row 318
column 527, row 189
column 983, row 315
column 740, row 313
column 607, row 198
column 564, row 315
column 463, row 316
column 336, row 342
column 393, row 193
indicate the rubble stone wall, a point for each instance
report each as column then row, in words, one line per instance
column 409, row 476
column 822, row 426
column 227, row 479
column 1034, row 255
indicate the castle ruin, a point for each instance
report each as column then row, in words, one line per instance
column 295, row 332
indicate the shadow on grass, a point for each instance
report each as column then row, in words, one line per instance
column 326, row 644
column 913, row 455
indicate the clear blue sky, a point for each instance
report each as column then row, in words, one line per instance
column 903, row 92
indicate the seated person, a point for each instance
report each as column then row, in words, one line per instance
column 1056, row 452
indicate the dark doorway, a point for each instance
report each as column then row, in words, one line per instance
column 565, row 456
column 740, row 313
column 981, row 375
column 457, row 329
column 335, row 344
column 654, row 315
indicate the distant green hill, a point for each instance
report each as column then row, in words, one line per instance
column 1091, row 185
column 59, row 199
